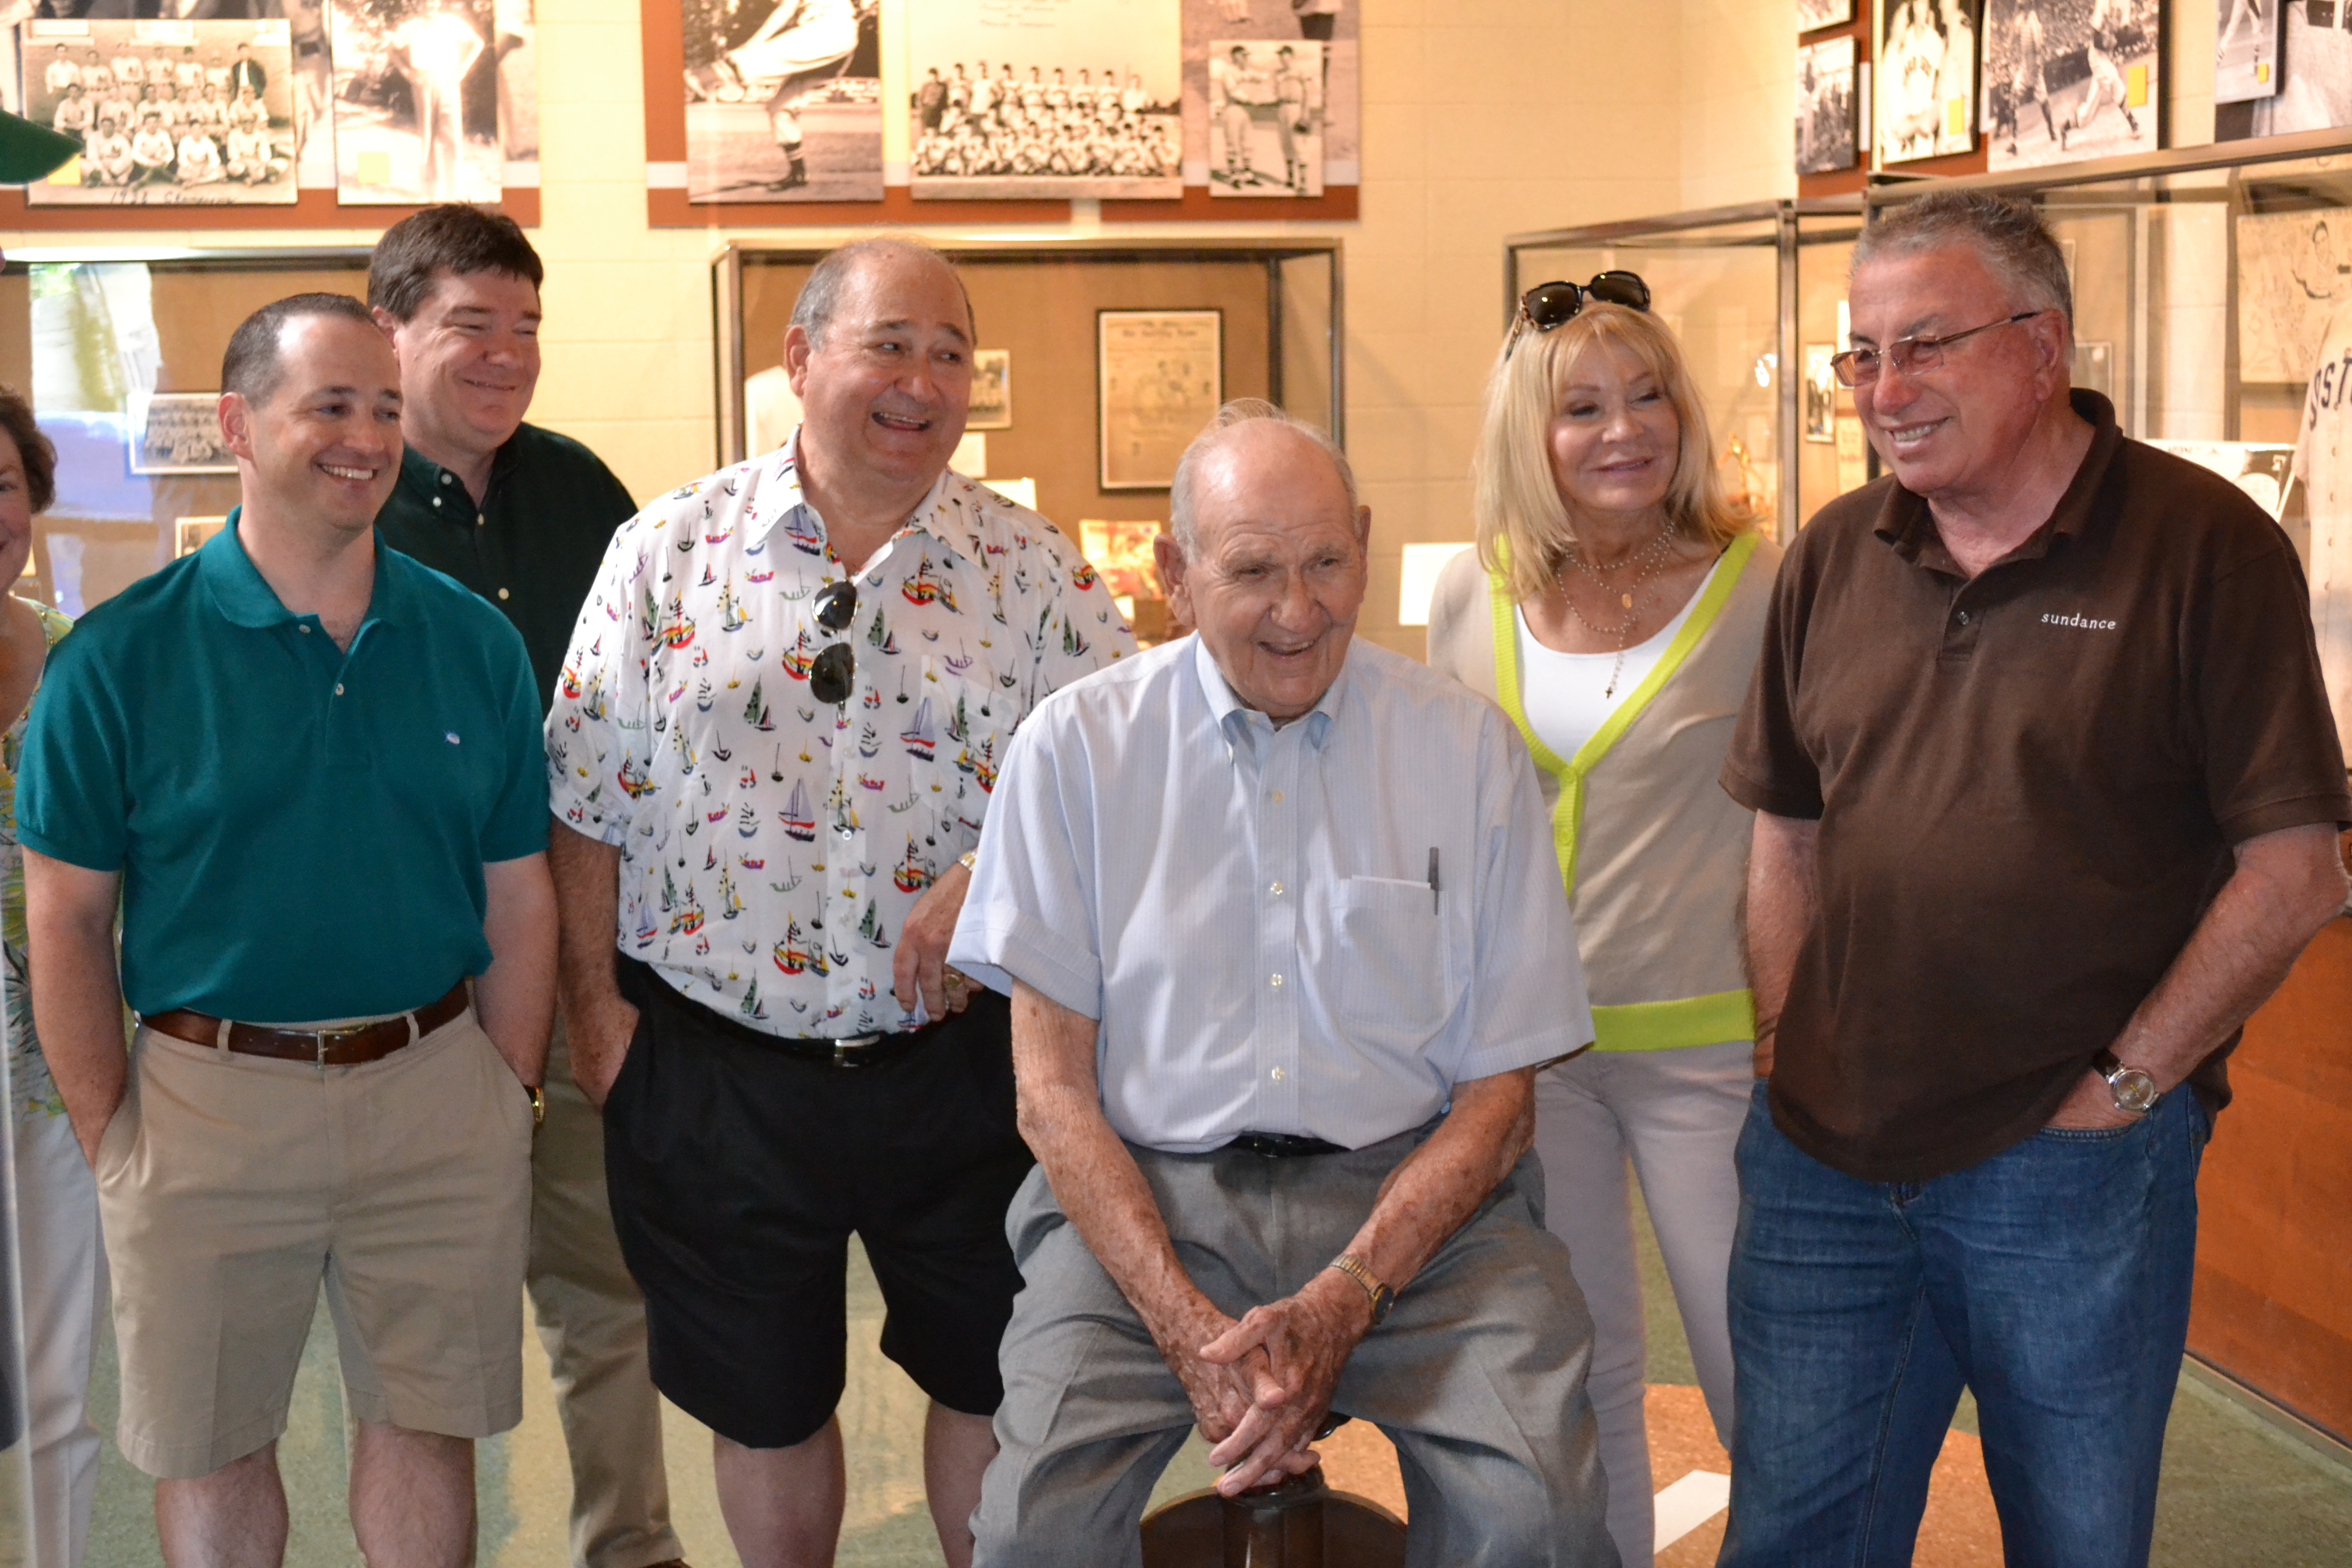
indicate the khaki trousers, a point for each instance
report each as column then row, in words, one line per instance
column 592, row 1322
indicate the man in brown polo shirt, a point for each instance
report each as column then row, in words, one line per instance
column 2047, row 793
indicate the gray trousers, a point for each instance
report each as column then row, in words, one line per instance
column 1477, row 1376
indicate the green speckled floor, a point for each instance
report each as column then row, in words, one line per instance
column 2236, row 1491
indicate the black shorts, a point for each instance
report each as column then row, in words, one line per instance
column 737, row 1173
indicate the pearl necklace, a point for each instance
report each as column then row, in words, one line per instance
column 1653, row 559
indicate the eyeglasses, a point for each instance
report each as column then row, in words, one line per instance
column 1547, row 305
column 1859, row 367
column 835, row 669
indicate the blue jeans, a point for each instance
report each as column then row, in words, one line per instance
column 2052, row 1279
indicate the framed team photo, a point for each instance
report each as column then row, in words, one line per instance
column 167, row 113
column 181, row 434
column 1159, row 377
column 991, row 390
column 783, row 101
column 2064, row 83
column 1812, row 14
column 1015, row 102
column 1826, row 137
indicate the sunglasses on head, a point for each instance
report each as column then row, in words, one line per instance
column 834, row 671
column 1547, row 305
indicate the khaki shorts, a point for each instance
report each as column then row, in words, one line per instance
column 230, row 1186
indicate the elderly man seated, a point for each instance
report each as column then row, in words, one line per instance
column 1280, row 918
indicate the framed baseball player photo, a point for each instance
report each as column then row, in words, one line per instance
column 2247, row 37
column 1813, row 14
column 2294, row 277
column 783, row 101
column 991, row 390
column 1159, row 377
column 1825, row 117
column 1820, row 392
column 1266, row 118
column 181, row 434
column 1925, row 79
column 2065, row 82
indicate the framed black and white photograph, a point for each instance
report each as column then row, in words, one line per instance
column 1827, row 136
column 1159, row 377
column 2063, row 83
column 181, row 434
column 416, row 103
column 190, row 533
column 193, row 113
column 1266, row 118
column 991, row 390
column 1821, row 393
column 2247, row 35
column 2313, row 74
column 1327, row 31
column 1925, row 79
column 1028, row 102
column 2294, row 276
column 783, row 101
column 1961, row 23
column 1812, row 14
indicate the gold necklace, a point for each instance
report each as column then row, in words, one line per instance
column 1653, row 559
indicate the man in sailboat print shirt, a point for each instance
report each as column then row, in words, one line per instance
column 774, row 737
column 752, row 807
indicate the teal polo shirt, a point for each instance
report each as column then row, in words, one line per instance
column 301, row 829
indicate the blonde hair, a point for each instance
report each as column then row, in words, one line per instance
column 1524, row 531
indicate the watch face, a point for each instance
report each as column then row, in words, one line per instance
column 2135, row 1090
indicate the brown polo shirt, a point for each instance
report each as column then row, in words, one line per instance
column 2028, row 784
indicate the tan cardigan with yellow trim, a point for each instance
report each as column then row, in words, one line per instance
column 1657, row 859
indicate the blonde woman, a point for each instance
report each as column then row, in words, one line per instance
column 1614, row 607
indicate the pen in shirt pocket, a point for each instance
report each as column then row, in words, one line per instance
column 1433, row 878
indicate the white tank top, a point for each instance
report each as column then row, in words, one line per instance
column 1560, row 693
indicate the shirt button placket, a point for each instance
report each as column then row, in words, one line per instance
column 1279, row 877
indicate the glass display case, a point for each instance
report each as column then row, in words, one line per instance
column 1075, row 410
column 1754, row 293
column 120, row 351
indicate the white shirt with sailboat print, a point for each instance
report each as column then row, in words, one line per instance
column 772, row 846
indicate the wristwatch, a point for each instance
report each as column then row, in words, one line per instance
column 2134, row 1087
column 1353, row 1267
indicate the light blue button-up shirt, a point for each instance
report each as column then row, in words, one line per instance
column 1250, row 912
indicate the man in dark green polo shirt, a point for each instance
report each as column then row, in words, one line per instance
column 521, row 516
column 311, row 769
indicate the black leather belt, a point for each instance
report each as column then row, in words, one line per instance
column 849, row 1054
column 1281, row 1146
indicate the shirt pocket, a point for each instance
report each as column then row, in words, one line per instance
column 1399, row 978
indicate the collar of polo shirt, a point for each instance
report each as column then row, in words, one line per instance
column 246, row 599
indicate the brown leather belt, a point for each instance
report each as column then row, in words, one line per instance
column 347, row 1046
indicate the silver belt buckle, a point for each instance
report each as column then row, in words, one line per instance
column 320, row 1038
column 845, row 1051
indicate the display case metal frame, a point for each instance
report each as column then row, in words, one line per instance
column 727, row 299
column 1787, row 236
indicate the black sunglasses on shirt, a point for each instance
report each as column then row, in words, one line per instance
column 834, row 673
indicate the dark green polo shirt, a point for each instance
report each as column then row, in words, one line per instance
column 301, row 830
column 532, row 548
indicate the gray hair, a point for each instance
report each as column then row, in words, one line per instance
column 1182, row 522
column 820, row 297
column 2010, row 237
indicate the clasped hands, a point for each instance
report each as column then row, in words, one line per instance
column 1261, row 1386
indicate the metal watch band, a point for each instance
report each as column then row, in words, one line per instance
column 1354, row 1267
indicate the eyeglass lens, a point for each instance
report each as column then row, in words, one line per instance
column 834, row 671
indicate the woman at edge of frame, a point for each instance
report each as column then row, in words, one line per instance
column 1614, row 608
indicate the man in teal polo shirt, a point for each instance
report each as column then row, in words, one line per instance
column 521, row 516
column 310, row 769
